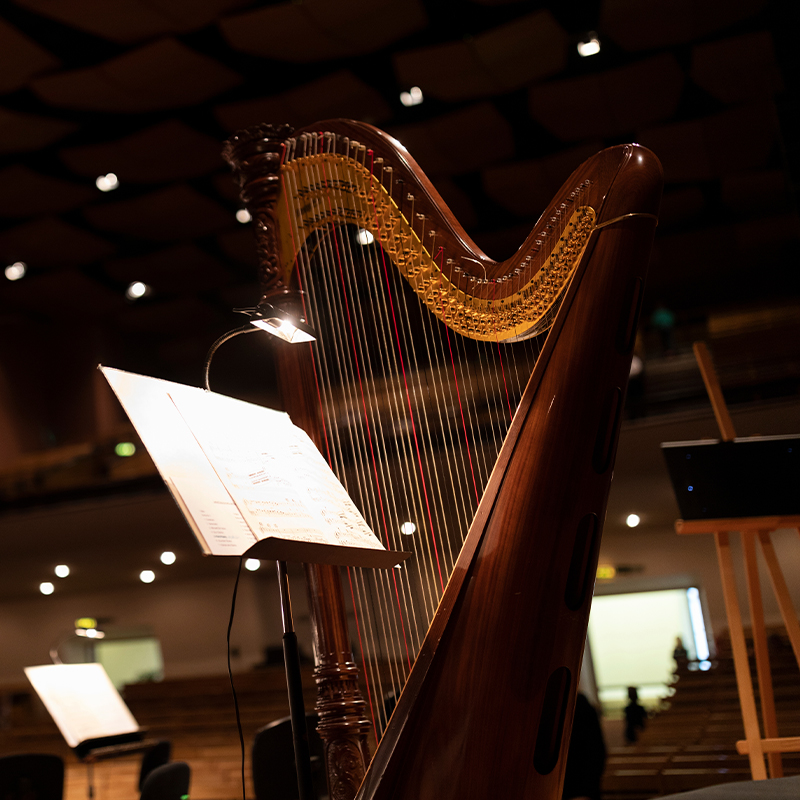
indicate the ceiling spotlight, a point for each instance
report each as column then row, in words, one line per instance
column 632, row 520
column 279, row 322
column 62, row 570
column 168, row 557
column 46, row 587
column 147, row 576
column 408, row 528
column 16, row 270
column 136, row 290
column 107, row 183
column 413, row 97
column 243, row 215
column 590, row 46
column 364, row 237
column 252, row 564
column 90, row 633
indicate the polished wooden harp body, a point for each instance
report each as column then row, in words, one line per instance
column 486, row 709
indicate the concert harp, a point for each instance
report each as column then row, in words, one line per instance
column 414, row 390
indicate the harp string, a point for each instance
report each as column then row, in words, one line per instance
column 360, row 358
column 390, row 373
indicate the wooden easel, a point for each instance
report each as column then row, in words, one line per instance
column 752, row 529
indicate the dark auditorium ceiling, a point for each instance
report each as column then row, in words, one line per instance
column 149, row 89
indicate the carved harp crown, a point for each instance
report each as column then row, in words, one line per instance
column 486, row 709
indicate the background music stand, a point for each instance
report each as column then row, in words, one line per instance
column 752, row 529
column 107, row 730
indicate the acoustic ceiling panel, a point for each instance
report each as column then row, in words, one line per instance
column 175, row 213
column 240, row 245
column 458, row 142
column 167, row 318
column 24, row 193
column 168, row 151
column 609, row 103
column 739, row 69
column 496, row 62
column 754, row 235
column 525, row 188
column 50, row 242
column 163, row 74
column 755, row 190
column 23, row 133
column 182, row 268
column 317, row 30
column 62, row 295
column 741, row 137
column 20, row 58
column 732, row 141
column 680, row 206
column 127, row 21
column 635, row 25
column 340, row 94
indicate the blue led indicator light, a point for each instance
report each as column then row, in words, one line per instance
column 690, row 488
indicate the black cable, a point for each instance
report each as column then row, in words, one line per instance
column 213, row 349
column 230, row 671
column 222, row 339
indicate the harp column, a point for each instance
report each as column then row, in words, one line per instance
column 255, row 156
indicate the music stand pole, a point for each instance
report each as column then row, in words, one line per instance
column 294, row 684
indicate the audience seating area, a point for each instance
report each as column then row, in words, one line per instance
column 692, row 742
column 195, row 714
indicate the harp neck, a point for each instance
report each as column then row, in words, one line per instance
column 298, row 186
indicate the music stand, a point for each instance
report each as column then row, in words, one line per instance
column 758, row 527
column 89, row 712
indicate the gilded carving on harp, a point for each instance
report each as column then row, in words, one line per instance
column 473, row 720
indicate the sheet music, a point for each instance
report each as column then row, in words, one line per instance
column 239, row 472
column 207, row 506
column 82, row 701
column 281, row 483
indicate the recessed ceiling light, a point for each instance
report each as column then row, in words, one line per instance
column 46, row 587
column 16, row 270
column 364, row 237
column 243, row 215
column 107, row 182
column 413, row 97
column 136, row 290
column 632, row 520
column 147, row 576
column 168, row 557
column 252, row 564
column 590, row 46
column 62, row 570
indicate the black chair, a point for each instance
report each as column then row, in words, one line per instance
column 156, row 756
column 167, row 782
column 31, row 776
column 274, row 772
